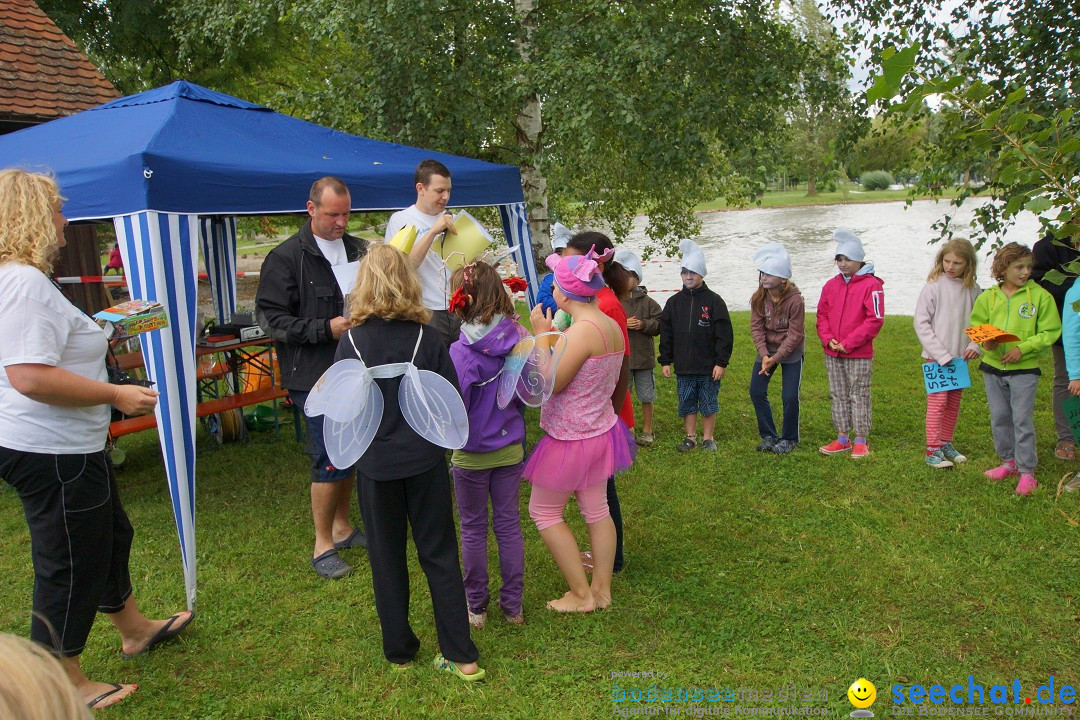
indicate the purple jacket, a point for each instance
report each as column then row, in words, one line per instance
column 478, row 365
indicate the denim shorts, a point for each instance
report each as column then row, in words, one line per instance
column 322, row 470
column 698, row 394
column 644, row 384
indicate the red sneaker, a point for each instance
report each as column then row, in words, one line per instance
column 860, row 450
column 834, row 447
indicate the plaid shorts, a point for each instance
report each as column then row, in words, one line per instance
column 698, row 394
column 644, row 385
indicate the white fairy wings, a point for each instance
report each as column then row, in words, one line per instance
column 528, row 370
column 351, row 404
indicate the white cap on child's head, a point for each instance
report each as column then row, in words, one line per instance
column 849, row 245
column 629, row 260
column 772, row 259
column 560, row 236
column 693, row 259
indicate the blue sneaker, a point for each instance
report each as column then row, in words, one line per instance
column 952, row 454
column 937, row 460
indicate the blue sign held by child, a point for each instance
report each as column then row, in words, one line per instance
column 952, row 376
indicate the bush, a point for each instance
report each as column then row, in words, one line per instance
column 876, row 180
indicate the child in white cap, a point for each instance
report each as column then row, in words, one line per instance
column 696, row 337
column 777, row 329
column 560, row 235
column 643, row 324
column 849, row 316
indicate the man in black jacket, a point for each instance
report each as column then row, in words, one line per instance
column 300, row 305
column 1052, row 254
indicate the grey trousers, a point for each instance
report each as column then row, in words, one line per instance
column 448, row 324
column 1012, row 408
column 1061, row 393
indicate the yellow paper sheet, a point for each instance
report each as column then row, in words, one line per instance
column 464, row 247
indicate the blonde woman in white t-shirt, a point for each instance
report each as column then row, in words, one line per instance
column 54, row 420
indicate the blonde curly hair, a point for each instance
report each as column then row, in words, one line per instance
column 34, row 686
column 27, row 232
column 387, row 287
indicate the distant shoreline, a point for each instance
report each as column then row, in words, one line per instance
column 871, row 201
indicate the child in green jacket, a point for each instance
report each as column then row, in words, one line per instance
column 1011, row 369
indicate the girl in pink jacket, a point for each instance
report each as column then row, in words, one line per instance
column 940, row 318
column 849, row 317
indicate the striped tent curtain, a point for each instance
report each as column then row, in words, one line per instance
column 161, row 262
column 218, row 235
column 515, row 223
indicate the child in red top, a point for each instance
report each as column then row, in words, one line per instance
column 116, row 261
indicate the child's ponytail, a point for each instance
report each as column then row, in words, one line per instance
column 479, row 294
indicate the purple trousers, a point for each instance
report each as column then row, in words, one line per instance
column 473, row 488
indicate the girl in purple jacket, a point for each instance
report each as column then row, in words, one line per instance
column 489, row 466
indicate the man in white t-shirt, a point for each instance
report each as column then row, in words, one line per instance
column 428, row 215
column 301, row 306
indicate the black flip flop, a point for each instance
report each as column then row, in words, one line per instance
column 355, row 539
column 116, row 688
column 167, row 632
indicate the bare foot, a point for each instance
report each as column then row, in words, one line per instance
column 105, row 694
column 156, row 631
column 602, row 600
column 573, row 603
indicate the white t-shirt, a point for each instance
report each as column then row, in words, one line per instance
column 332, row 250
column 38, row 325
column 434, row 274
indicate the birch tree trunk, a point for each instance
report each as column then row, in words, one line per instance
column 529, row 127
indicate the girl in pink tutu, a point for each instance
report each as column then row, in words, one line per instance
column 586, row 442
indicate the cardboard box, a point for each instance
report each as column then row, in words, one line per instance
column 132, row 318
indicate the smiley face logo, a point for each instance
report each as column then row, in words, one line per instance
column 862, row 693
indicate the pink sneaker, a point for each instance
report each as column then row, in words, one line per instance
column 1001, row 471
column 1027, row 484
column 860, row 450
column 834, row 447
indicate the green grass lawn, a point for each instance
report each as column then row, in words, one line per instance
column 744, row 571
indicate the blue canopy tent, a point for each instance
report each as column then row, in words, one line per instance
column 175, row 165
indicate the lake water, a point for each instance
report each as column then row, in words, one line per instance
column 895, row 236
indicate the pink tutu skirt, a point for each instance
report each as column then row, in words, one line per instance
column 571, row 465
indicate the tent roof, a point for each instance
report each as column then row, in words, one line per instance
column 185, row 149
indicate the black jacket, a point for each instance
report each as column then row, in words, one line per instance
column 695, row 332
column 1049, row 255
column 396, row 451
column 297, row 297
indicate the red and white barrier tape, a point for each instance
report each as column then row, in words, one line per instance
column 121, row 280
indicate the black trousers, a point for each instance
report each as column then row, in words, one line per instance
column 389, row 508
column 615, row 510
column 80, row 540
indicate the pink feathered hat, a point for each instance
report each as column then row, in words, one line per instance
column 579, row 276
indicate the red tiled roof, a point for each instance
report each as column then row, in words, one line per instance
column 42, row 74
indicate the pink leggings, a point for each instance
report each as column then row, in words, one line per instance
column 942, row 411
column 546, row 505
